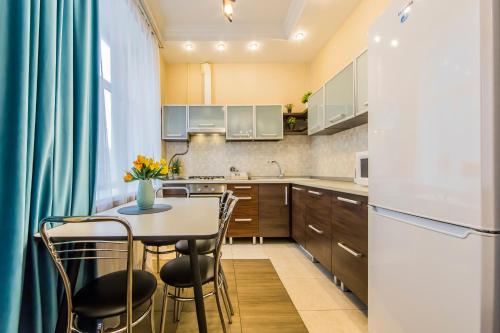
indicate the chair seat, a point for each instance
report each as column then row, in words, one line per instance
column 106, row 296
column 204, row 246
column 177, row 272
column 158, row 243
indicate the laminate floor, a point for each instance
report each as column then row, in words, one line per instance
column 274, row 287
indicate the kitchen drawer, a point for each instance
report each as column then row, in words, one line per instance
column 318, row 208
column 350, row 219
column 319, row 244
column 245, row 190
column 350, row 265
column 244, row 225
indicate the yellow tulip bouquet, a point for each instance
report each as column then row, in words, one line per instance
column 146, row 168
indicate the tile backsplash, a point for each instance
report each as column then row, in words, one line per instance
column 324, row 156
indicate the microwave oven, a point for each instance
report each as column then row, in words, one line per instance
column 361, row 170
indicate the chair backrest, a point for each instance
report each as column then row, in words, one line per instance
column 223, row 201
column 181, row 188
column 62, row 251
column 224, row 224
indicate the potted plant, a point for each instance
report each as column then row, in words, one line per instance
column 146, row 169
column 289, row 108
column 305, row 98
column 291, row 121
column 175, row 168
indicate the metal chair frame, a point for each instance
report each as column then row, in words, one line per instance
column 157, row 252
column 59, row 256
column 219, row 281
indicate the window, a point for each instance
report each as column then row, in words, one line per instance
column 129, row 110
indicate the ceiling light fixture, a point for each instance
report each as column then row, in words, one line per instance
column 394, row 43
column 189, row 46
column 300, row 35
column 221, row 46
column 377, row 39
column 253, row 46
column 227, row 9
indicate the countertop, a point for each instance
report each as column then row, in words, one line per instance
column 333, row 185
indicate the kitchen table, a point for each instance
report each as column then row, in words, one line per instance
column 189, row 218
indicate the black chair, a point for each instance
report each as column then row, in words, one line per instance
column 177, row 272
column 148, row 245
column 107, row 296
column 208, row 246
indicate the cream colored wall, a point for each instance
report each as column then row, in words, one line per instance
column 238, row 83
column 348, row 42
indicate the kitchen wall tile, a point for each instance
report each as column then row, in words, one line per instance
column 326, row 156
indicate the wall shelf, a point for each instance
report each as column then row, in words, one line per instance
column 300, row 125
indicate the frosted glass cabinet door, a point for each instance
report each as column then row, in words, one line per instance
column 315, row 112
column 239, row 122
column 174, row 122
column 269, row 122
column 206, row 119
column 339, row 97
column 362, row 83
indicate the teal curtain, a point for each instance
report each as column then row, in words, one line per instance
column 49, row 77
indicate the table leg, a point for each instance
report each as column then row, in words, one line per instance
column 198, row 292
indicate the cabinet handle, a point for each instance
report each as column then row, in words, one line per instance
column 337, row 117
column 242, row 220
column 286, row 195
column 206, row 125
column 174, row 135
column 315, row 192
column 241, row 135
column 297, row 188
column 242, row 187
column 245, row 198
column 315, row 230
column 351, row 251
column 268, row 134
column 365, row 103
column 354, row 202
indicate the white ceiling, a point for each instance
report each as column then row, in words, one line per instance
column 273, row 23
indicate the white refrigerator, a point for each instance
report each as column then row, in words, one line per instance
column 434, row 147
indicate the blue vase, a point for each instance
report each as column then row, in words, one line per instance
column 145, row 194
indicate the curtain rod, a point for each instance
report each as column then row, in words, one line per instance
column 146, row 13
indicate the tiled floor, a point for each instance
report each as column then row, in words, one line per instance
column 320, row 303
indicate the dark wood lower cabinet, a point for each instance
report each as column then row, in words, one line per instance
column 274, row 210
column 350, row 242
column 299, row 197
column 318, row 226
column 245, row 219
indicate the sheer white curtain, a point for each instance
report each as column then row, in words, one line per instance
column 130, row 99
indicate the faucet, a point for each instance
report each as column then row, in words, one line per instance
column 279, row 167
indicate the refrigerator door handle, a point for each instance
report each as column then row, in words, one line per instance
column 442, row 227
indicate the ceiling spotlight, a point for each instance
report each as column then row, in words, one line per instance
column 394, row 43
column 253, row 46
column 377, row 39
column 189, row 46
column 227, row 9
column 220, row 46
column 300, row 35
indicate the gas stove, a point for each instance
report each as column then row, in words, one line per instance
column 207, row 177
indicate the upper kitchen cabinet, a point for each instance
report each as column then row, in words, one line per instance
column 174, row 122
column 268, row 122
column 362, row 83
column 339, row 97
column 316, row 112
column 206, row 119
column 239, row 124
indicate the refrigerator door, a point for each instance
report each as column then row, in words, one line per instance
column 428, row 276
column 429, row 143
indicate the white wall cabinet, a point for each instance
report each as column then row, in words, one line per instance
column 240, row 122
column 206, row 119
column 174, row 122
column 316, row 112
column 339, row 97
column 362, row 83
column 268, row 122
